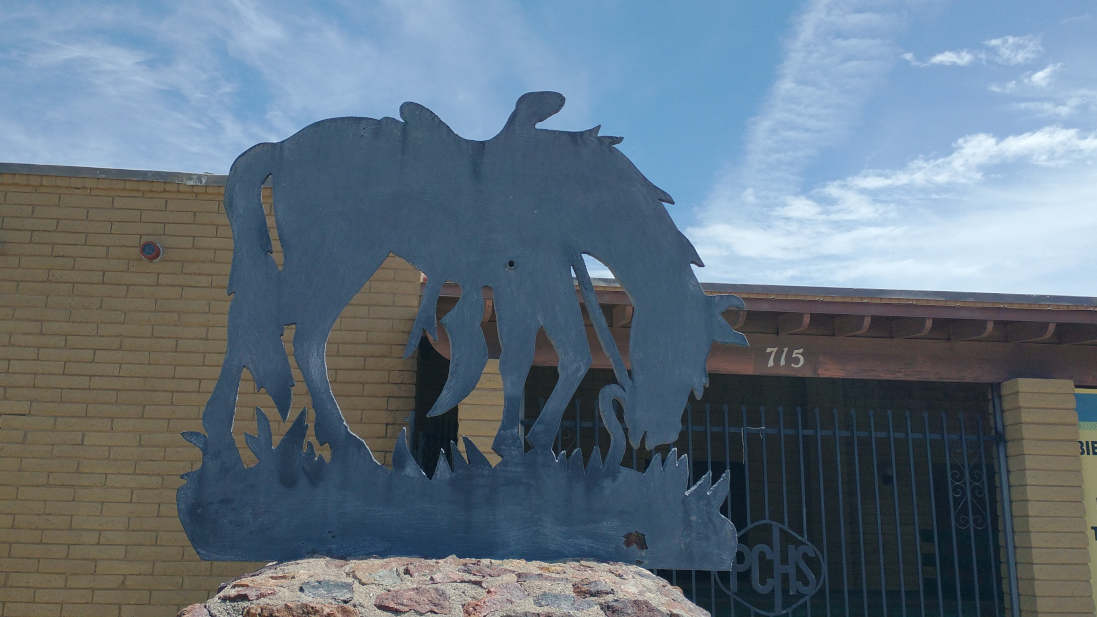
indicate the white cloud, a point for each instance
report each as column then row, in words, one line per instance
column 1032, row 80
column 189, row 87
column 994, row 214
column 973, row 154
column 1042, row 78
column 1007, row 50
column 1012, row 50
column 960, row 57
column 1068, row 104
column 1003, row 88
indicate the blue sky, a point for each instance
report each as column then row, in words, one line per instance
column 919, row 145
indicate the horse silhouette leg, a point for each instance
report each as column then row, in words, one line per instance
column 218, row 416
column 316, row 304
column 565, row 329
column 331, row 427
column 518, row 339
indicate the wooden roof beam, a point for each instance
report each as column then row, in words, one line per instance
column 911, row 327
column 736, row 319
column 852, row 325
column 970, row 329
column 793, row 323
column 1029, row 331
column 621, row 315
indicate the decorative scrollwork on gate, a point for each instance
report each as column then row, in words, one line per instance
column 967, row 489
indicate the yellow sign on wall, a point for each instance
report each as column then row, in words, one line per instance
column 1086, row 401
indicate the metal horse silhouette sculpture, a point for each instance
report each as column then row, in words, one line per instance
column 516, row 213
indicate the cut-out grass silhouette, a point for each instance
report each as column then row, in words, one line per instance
column 535, row 505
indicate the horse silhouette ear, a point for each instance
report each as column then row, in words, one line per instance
column 534, row 107
column 722, row 331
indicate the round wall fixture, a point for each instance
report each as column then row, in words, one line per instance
column 151, row 251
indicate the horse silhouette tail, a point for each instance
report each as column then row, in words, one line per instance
column 255, row 323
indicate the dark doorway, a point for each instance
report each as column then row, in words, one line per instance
column 430, row 436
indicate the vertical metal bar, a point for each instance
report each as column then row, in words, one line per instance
column 708, row 436
column 917, row 524
column 727, row 454
column 765, row 465
column 784, row 471
column 952, row 515
column 933, row 509
column 727, row 466
column 708, row 455
column 746, row 459
column 970, row 514
column 578, row 427
column 803, row 483
column 898, row 518
column 879, row 518
column 860, row 515
column 823, row 502
column 995, row 572
column 841, row 511
column 1007, row 503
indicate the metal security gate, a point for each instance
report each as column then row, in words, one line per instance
column 841, row 510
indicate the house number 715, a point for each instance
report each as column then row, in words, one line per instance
column 781, row 356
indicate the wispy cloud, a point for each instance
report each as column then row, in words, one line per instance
column 1032, row 80
column 190, row 86
column 1013, row 50
column 1006, row 50
column 1042, row 78
column 1050, row 93
column 960, row 57
column 958, row 221
column 973, row 154
column 1071, row 103
column 837, row 53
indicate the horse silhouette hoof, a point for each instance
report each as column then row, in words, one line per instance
column 540, row 438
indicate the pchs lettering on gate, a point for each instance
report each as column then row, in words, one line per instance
column 1088, row 448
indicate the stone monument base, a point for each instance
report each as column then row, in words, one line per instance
column 397, row 586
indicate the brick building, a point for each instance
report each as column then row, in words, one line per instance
column 105, row 358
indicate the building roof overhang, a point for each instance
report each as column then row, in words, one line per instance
column 872, row 333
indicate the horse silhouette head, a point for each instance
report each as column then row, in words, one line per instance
column 601, row 205
column 668, row 353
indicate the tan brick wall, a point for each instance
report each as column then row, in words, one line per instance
column 481, row 412
column 105, row 358
column 1045, row 481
